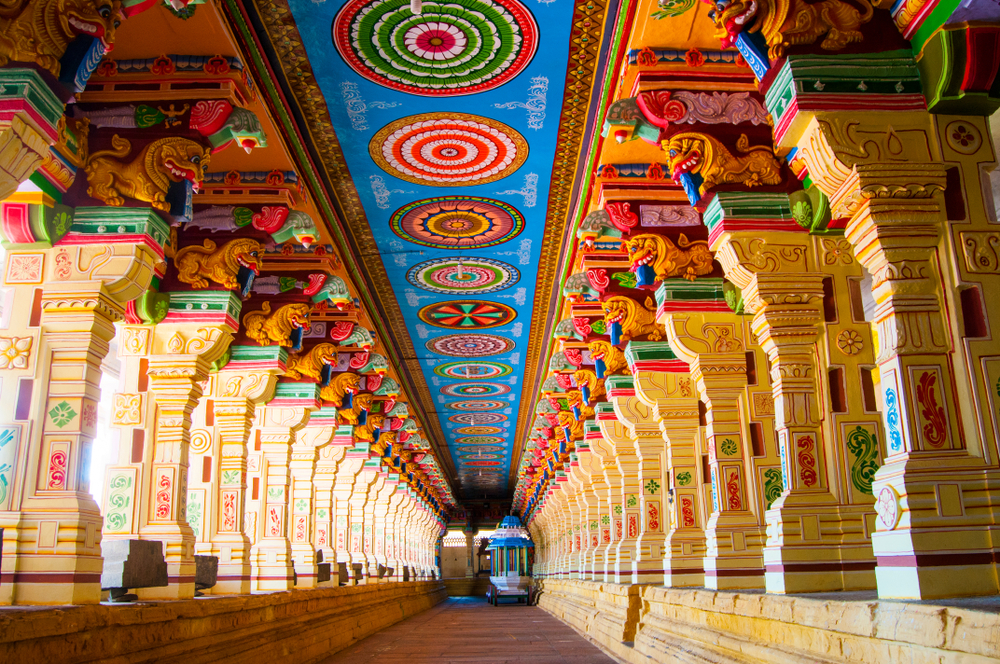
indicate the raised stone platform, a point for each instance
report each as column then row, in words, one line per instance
column 467, row 587
column 646, row 623
column 300, row 626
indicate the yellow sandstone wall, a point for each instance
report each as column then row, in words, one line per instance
column 302, row 626
column 677, row 625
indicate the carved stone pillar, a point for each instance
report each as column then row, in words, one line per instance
column 330, row 456
column 183, row 347
column 611, row 528
column 811, row 540
column 28, row 126
column 50, row 373
column 661, row 386
column 360, row 530
column 343, row 488
column 643, row 509
column 248, row 379
column 271, row 563
column 930, row 258
column 586, row 500
column 600, row 534
column 305, row 453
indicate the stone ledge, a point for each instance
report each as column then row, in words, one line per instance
column 300, row 625
column 673, row 624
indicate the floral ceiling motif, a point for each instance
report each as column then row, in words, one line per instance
column 458, row 47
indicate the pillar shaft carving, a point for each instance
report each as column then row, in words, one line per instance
column 922, row 255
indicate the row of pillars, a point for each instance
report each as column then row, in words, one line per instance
column 841, row 434
column 228, row 463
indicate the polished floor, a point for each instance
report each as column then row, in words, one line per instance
column 463, row 630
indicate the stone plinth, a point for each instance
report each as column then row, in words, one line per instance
column 299, row 626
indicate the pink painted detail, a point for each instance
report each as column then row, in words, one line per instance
column 57, row 469
column 935, row 425
column 618, row 529
column 374, row 382
column 582, row 326
column 229, row 511
column 274, row 521
column 359, row 360
column 64, row 265
column 687, row 511
column 633, row 525
column 316, row 281
column 341, row 330
column 300, row 529
column 164, row 494
column 270, row 218
column 621, row 216
column 16, row 224
column 807, row 460
column 564, row 381
column 574, row 356
column 131, row 315
column 606, row 535
column 733, row 490
column 598, row 278
column 653, row 516
column 207, row 117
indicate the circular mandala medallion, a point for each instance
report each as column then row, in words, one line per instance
column 484, row 449
column 453, row 222
column 479, row 440
column 479, row 370
column 467, row 314
column 475, row 390
column 468, row 275
column 470, row 345
column 455, row 48
column 478, row 418
column 476, row 406
column 448, row 149
column 478, row 431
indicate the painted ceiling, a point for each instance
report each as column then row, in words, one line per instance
column 448, row 117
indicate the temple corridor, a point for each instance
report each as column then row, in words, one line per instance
column 466, row 630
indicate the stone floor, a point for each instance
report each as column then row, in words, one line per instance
column 463, row 630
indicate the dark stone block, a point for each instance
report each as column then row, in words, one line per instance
column 358, row 569
column 406, row 573
column 322, row 572
column 344, row 577
column 381, row 571
column 206, row 572
column 389, row 571
column 132, row 564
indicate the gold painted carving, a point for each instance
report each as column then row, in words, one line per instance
column 850, row 342
column 310, row 365
column 15, row 352
column 685, row 259
column 196, row 265
column 360, row 402
column 837, row 252
column 340, row 385
column 586, row 377
column 40, row 31
column 127, row 409
column 635, row 320
column 136, row 341
column 787, row 23
column 612, row 356
column 148, row 176
column 366, row 432
column 266, row 328
column 982, row 251
column 23, row 149
column 691, row 152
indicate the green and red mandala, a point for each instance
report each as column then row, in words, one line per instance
column 458, row 47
